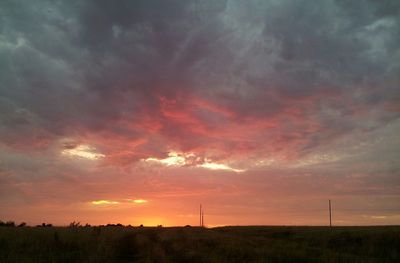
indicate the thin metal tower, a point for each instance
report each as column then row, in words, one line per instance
column 201, row 219
column 330, row 214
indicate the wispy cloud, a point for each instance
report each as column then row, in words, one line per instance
column 83, row 151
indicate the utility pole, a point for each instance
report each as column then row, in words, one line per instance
column 330, row 214
column 202, row 218
column 201, row 221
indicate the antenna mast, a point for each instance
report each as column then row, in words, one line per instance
column 201, row 221
column 202, row 218
column 330, row 214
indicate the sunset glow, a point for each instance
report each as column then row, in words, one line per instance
column 104, row 202
column 217, row 166
column 83, row 151
column 173, row 159
column 137, row 112
column 140, row 201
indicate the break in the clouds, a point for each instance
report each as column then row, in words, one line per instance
column 102, row 100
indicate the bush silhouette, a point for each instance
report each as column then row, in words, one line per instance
column 8, row 223
column 75, row 224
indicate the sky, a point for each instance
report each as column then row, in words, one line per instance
column 137, row 112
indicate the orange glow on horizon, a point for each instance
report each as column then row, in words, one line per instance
column 140, row 201
column 104, row 202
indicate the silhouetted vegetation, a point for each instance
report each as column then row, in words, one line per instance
column 75, row 224
column 22, row 224
column 194, row 244
column 115, row 225
column 44, row 225
column 7, row 224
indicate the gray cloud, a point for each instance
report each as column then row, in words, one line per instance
column 318, row 70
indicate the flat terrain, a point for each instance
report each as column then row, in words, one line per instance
column 193, row 244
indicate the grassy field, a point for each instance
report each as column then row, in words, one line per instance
column 193, row 244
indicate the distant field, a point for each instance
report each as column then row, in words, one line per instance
column 193, row 244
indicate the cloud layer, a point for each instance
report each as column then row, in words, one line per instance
column 266, row 87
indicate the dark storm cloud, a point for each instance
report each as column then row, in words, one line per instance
column 315, row 69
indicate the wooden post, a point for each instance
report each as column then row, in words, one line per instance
column 330, row 214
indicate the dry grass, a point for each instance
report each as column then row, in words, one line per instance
column 192, row 244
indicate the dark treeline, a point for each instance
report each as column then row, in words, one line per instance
column 22, row 224
column 11, row 224
column 72, row 224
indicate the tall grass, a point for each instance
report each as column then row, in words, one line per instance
column 193, row 244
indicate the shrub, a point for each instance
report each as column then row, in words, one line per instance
column 10, row 224
column 75, row 224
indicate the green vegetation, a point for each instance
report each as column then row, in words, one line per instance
column 194, row 244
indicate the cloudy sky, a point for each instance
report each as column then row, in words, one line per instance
column 138, row 111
